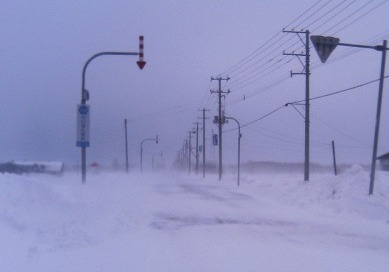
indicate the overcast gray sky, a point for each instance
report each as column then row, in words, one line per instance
column 46, row 43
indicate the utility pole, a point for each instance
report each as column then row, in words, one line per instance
column 334, row 157
column 190, row 151
column 186, row 150
column 197, row 147
column 125, row 131
column 204, row 110
column 220, row 120
column 306, row 72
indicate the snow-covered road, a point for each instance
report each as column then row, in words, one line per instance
column 175, row 222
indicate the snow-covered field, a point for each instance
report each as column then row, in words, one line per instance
column 176, row 222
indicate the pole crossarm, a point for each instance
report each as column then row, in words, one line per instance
column 294, row 54
column 293, row 31
column 98, row 55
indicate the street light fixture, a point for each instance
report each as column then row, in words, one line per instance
column 239, row 136
column 141, row 150
column 324, row 46
column 83, row 109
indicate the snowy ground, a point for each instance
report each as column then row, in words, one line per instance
column 176, row 222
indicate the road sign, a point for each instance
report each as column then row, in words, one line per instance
column 324, row 46
column 141, row 63
column 214, row 139
column 83, row 117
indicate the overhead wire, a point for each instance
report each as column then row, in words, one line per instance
column 269, row 61
column 338, row 92
column 313, row 13
column 241, row 84
column 266, row 44
column 299, row 101
column 254, row 67
column 347, row 18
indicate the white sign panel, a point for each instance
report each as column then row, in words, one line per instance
column 83, row 116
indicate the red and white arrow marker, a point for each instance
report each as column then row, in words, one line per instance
column 141, row 63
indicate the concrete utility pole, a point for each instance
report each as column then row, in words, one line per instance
column 204, row 110
column 221, row 120
column 306, row 72
column 197, row 147
column 125, row 132
column 190, row 151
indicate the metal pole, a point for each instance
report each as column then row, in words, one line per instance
column 83, row 164
column 83, row 150
column 186, row 151
column 141, row 151
column 197, row 148
column 141, row 157
column 334, row 158
column 239, row 136
column 190, row 151
column 377, row 125
column 307, row 118
column 204, row 143
column 84, row 97
column 125, row 130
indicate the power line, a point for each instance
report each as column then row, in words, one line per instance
column 265, row 44
column 338, row 92
column 334, row 15
column 257, row 67
column 258, row 119
column 314, row 13
column 309, row 9
column 297, row 102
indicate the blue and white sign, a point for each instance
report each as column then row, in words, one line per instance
column 83, row 117
column 214, row 139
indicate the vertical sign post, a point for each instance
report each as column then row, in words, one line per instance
column 324, row 46
column 83, row 129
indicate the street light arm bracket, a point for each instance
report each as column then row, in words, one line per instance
column 98, row 55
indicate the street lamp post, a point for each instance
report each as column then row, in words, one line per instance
column 84, row 142
column 239, row 137
column 125, row 132
column 190, row 150
column 141, row 150
column 324, row 46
